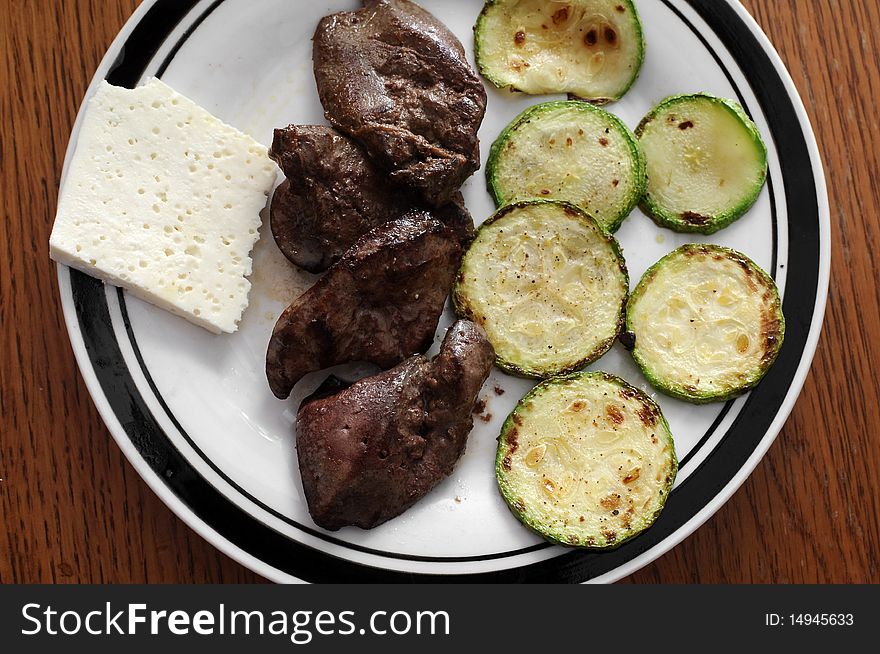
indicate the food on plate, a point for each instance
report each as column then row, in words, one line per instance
column 591, row 49
column 706, row 162
column 570, row 151
column 369, row 452
column 334, row 194
column 707, row 323
column 163, row 199
column 396, row 79
column 380, row 302
column 586, row 460
column 548, row 285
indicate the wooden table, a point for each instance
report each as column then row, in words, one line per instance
column 73, row 510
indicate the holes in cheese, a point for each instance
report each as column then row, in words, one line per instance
column 157, row 191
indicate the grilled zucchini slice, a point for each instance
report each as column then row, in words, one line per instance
column 586, row 460
column 569, row 151
column 591, row 49
column 707, row 322
column 548, row 285
column 706, row 162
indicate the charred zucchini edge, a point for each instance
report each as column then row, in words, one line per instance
column 680, row 391
column 508, row 444
column 485, row 71
column 463, row 309
column 671, row 220
column 638, row 168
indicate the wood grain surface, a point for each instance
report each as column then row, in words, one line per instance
column 73, row 510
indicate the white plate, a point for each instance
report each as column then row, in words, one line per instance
column 194, row 414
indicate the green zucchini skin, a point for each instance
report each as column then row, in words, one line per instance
column 515, row 449
column 608, row 212
column 491, row 70
column 694, row 221
column 771, row 333
column 466, row 307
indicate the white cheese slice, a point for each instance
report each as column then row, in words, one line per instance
column 163, row 199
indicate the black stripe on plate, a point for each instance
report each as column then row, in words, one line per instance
column 739, row 96
column 762, row 404
column 714, row 473
column 183, row 39
column 321, row 535
column 145, row 40
column 120, row 295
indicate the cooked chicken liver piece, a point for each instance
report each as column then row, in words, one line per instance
column 369, row 452
column 379, row 303
column 334, row 194
column 397, row 80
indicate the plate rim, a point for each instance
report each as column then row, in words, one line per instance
column 210, row 533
